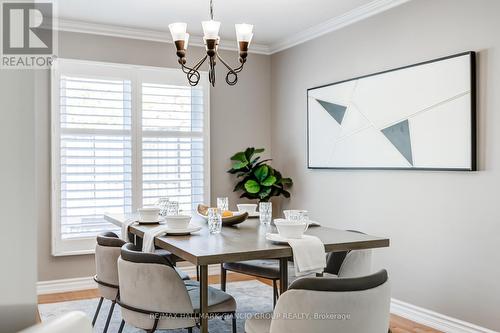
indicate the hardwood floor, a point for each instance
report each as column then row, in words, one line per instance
column 398, row 324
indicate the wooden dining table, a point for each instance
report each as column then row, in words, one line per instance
column 245, row 241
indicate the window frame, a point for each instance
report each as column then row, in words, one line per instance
column 137, row 75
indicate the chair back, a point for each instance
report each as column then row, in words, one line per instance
column 149, row 283
column 321, row 305
column 107, row 251
column 356, row 263
column 74, row 322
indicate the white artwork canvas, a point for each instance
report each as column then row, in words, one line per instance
column 417, row 117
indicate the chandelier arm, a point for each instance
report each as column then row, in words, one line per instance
column 231, row 72
column 193, row 72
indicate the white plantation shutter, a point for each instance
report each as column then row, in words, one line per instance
column 172, row 144
column 123, row 136
column 95, row 151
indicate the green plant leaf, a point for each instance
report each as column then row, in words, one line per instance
column 259, row 150
column 251, row 186
column 239, row 156
column 261, row 173
column 286, row 181
column 249, row 196
column 239, row 186
column 263, row 161
column 249, row 153
column 286, row 194
column 264, row 193
column 269, row 181
column 239, row 165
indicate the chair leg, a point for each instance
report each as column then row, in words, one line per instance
column 234, row 322
column 121, row 326
column 275, row 293
column 97, row 311
column 110, row 314
column 223, row 278
column 155, row 325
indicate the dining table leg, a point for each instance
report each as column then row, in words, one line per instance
column 283, row 275
column 204, row 298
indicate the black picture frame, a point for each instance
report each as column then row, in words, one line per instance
column 473, row 85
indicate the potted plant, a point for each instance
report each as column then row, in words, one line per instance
column 257, row 179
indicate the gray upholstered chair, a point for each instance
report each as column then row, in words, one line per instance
column 107, row 251
column 343, row 264
column 153, row 295
column 336, row 305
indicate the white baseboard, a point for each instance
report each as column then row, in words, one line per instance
column 433, row 319
column 65, row 285
column 414, row 313
column 84, row 283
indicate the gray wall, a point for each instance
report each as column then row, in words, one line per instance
column 17, row 200
column 240, row 117
column 444, row 226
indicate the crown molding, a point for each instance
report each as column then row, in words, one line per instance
column 144, row 34
column 336, row 23
column 360, row 13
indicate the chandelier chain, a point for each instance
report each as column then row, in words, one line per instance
column 211, row 10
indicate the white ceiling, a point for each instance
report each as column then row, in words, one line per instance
column 275, row 21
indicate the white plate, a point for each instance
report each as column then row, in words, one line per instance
column 161, row 219
column 185, row 231
column 277, row 238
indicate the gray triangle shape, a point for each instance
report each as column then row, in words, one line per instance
column 335, row 110
column 399, row 135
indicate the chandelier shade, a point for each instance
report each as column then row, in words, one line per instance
column 244, row 32
column 210, row 29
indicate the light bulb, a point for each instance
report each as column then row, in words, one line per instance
column 210, row 29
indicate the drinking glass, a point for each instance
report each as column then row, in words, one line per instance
column 265, row 212
column 223, row 203
column 214, row 221
column 162, row 203
column 172, row 208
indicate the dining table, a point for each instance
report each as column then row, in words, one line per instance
column 245, row 241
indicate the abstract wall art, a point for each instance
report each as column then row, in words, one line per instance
column 416, row 117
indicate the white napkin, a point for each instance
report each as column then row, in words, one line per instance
column 125, row 226
column 148, row 241
column 308, row 255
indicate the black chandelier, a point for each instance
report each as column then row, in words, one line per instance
column 211, row 40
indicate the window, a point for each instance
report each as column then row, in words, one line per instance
column 122, row 137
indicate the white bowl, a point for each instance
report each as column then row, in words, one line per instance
column 149, row 214
column 247, row 208
column 178, row 221
column 290, row 229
